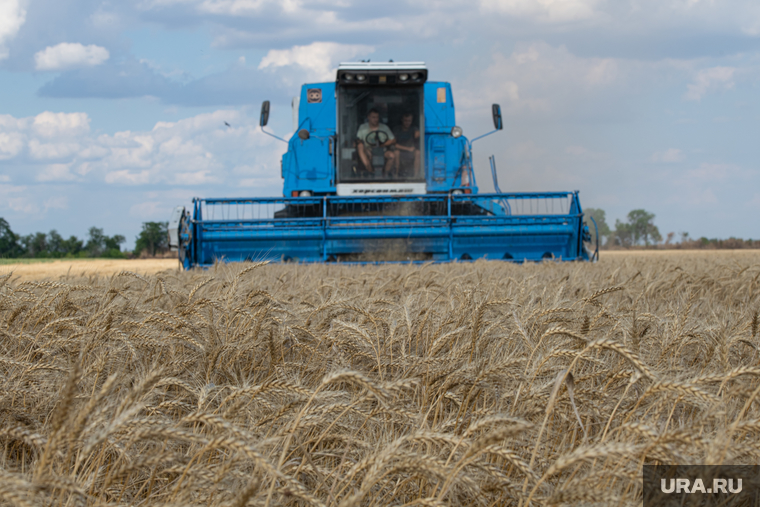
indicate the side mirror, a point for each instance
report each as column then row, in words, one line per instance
column 496, row 112
column 264, row 118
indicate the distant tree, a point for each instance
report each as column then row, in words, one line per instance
column 101, row 245
column 55, row 244
column 9, row 241
column 601, row 223
column 114, row 242
column 623, row 235
column 638, row 228
column 52, row 244
column 35, row 245
column 96, row 243
column 153, row 238
column 642, row 227
column 72, row 246
column 113, row 245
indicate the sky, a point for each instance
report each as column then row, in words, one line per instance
column 112, row 113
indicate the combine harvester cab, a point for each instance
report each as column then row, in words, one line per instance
column 378, row 171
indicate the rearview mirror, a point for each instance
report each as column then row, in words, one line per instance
column 496, row 111
column 264, row 118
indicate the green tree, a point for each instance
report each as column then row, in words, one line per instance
column 55, row 244
column 638, row 228
column 642, row 227
column 9, row 241
column 113, row 245
column 72, row 246
column 623, row 235
column 96, row 243
column 601, row 223
column 35, row 244
column 101, row 245
column 114, row 242
column 153, row 238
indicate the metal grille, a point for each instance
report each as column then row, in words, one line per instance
column 527, row 204
column 240, row 209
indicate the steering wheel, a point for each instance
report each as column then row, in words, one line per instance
column 376, row 138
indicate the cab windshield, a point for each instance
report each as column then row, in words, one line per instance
column 381, row 134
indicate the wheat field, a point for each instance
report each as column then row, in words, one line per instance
column 480, row 383
column 39, row 269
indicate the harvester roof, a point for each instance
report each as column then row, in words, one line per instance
column 369, row 72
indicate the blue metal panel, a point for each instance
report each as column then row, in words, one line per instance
column 537, row 226
column 314, row 162
column 322, row 113
column 444, row 153
column 308, row 164
column 437, row 158
column 445, row 158
column 439, row 115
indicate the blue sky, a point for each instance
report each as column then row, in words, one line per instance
column 112, row 113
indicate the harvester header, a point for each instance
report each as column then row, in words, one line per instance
column 379, row 170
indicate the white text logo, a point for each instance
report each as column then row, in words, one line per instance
column 686, row 486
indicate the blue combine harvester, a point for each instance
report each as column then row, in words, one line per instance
column 379, row 171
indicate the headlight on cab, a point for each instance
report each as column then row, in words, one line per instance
column 456, row 132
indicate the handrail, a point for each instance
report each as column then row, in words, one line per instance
column 296, row 222
column 382, row 198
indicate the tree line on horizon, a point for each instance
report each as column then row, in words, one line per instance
column 152, row 241
column 639, row 230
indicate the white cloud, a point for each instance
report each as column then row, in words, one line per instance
column 710, row 79
column 150, row 209
column 127, row 177
column 551, row 11
column 50, row 124
column 318, row 59
column 200, row 150
column 709, row 184
column 158, row 204
column 245, row 7
column 710, row 172
column 12, row 16
column 538, row 78
column 67, row 55
column 11, row 144
column 16, row 198
column 671, row 155
column 602, row 71
column 47, row 151
column 59, row 202
column 56, row 172
column 104, row 20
